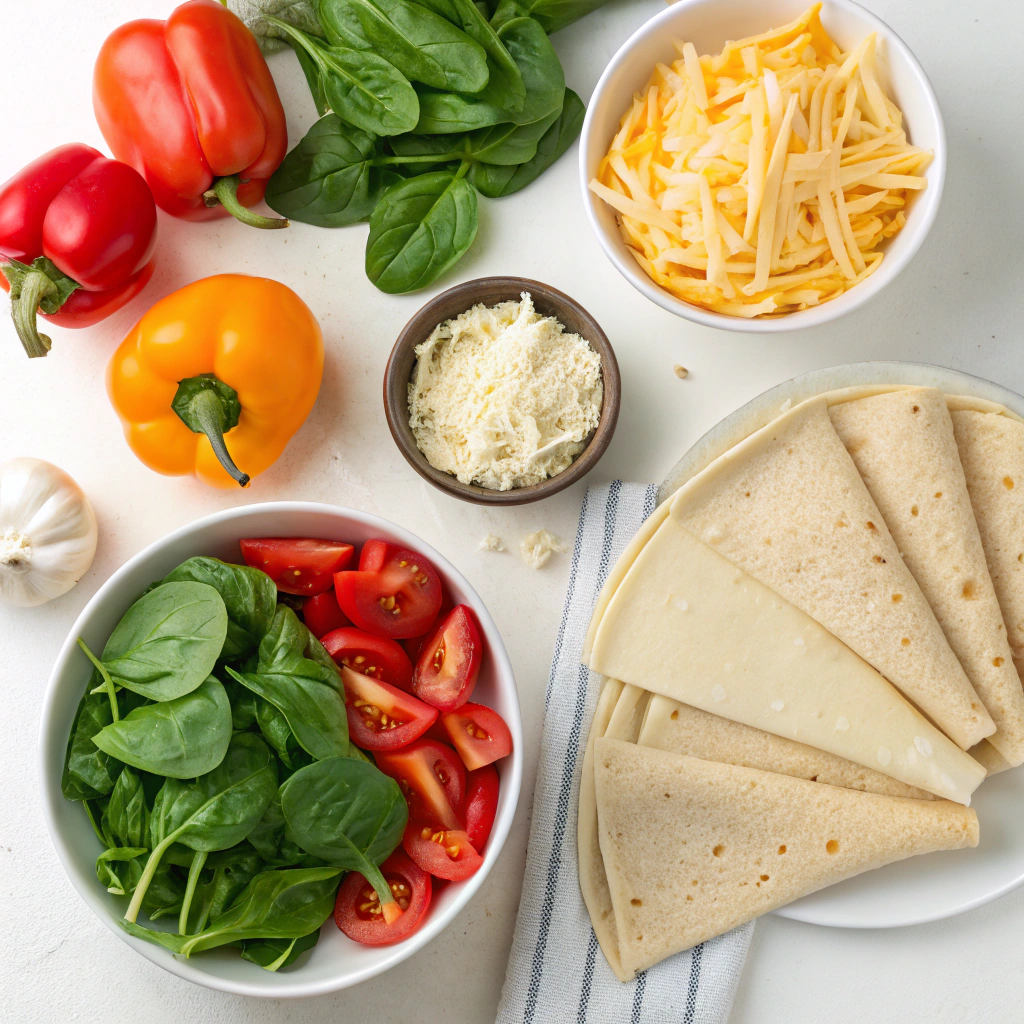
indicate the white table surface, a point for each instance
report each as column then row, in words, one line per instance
column 957, row 304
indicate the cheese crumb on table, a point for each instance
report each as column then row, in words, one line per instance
column 503, row 397
column 537, row 548
column 491, row 543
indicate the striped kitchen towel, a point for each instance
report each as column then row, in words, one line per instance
column 556, row 971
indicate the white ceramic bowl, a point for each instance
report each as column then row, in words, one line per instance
column 337, row 962
column 708, row 24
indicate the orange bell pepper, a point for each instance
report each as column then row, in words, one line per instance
column 216, row 378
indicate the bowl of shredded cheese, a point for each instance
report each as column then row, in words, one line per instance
column 762, row 166
column 502, row 391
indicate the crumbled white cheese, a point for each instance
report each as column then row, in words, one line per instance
column 503, row 397
column 537, row 548
column 491, row 543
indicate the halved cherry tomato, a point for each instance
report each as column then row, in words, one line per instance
column 432, row 778
column 322, row 613
column 478, row 733
column 357, row 911
column 298, row 565
column 382, row 717
column 482, row 788
column 414, row 644
column 450, row 662
column 445, row 853
column 371, row 558
column 400, row 599
column 373, row 656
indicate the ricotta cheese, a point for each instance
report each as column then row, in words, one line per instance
column 537, row 548
column 503, row 397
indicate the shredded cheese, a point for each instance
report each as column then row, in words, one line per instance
column 763, row 179
column 503, row 397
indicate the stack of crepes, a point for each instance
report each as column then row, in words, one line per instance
column 800, row 648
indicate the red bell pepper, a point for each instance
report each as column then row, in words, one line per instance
column 76, row 239
column 189, row 102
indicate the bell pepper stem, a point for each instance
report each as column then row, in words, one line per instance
column 35, row 287
column 209, row 413
column 225, row 192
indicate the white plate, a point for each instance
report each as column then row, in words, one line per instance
column 938, row 885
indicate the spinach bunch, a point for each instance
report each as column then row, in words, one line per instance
column 486, row 111
column 210, row 752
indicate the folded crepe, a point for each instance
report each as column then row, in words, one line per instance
column 903, row 447
column 693, row 848
column 680, row 729
column 788, row 506
column 685, row 622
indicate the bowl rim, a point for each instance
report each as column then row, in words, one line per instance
column 396, row 407
column 511, row 781
column 926, row 206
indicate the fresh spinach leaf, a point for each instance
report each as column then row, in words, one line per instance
column 243, row 705
column 179, row 738
column 216, row 811
column 329, row 178
column 126, row 818
column 275, row 954
column 503, row 69
column 232, row 870
column 277, row 904
column 348, row 813
column 526, row 41
column 168, row 641
column 111, row 868
column 270, row 840
column 277, row 732
column 424, row 47
column 306, row 691
column 420, row 228
column 552, row 14
column 360, row 86
column 311, row 72
column 254, row 13
column 249, row 596
column 88, row 771
column 498, row 181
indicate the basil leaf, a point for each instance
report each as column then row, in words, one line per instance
column 348, row 813
column 88, row 771
column 420, row 228
column 179, row 738
column 495, row 182
column 275, row 954
column 249, row 596
column 275, row 904
column 328, row 179
column 526, row 41
column 424, row 47
column 168, row 641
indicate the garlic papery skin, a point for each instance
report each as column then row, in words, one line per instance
column 47, row 532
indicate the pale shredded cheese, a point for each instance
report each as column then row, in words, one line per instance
column 491, row 543
column 764, row 179
column 502, row 397
column 537, row 548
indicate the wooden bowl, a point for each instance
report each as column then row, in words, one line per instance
column 489, row 291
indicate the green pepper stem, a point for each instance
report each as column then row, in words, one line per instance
column 108, row 683
column 225, row 192
column 209, row 413
column 34, row 289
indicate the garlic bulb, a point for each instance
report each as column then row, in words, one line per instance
column 47, row 532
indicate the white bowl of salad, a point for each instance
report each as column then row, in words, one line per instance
column 281, row 749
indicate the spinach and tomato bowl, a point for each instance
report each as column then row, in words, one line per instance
column 281, row 749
